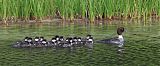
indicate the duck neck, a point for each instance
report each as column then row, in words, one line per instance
column 120, row 36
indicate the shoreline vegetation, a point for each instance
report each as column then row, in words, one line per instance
column 25, row 10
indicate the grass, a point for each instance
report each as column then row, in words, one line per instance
column 141, row 45
column 72, row 9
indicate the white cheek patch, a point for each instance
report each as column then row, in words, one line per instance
column 71, row 41
column 66, row 40
column 79, row 39
column 87, row 37
column 53, row 40
column 25, row 40
column 57, row 38
column 29, row 40
column 75, row 39
column 90, row 40
column 44, row 42
column 36, row 39
column 61, row 39
column 41, row 39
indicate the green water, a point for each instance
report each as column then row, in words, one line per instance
column 142, row 45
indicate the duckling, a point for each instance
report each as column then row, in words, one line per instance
column 30, row 42
column 41, row 38
column 57, row 37
column 36, row 40
column 58, row 40
column 26, row 39
column 75, row 40
column 65, row 43
column 88, row 36
column 89, row 41
column 68, row 42
column 61, row 38
column 79, row 41
column 53, row 42
column 44, row 42
column 22, row 43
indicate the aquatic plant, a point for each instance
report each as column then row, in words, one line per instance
column 71, row 9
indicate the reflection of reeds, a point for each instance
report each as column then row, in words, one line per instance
column 70, row 9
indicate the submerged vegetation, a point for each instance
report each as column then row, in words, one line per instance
column 78, row 9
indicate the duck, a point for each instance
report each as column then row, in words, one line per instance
column 30, row 41
column 89, row 41
column 67, row 43
column 61, row 38
column 119, row 40
column 41, row 38
column 25, row 39
column 79, row 41
column 44, row 42
column 75, row 40
column 57, row 37
column 53, row 41
column 36, row 40
column 18, row 44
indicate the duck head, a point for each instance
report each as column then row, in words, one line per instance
column 61, row 38
column 79, row 39
column 44, row 41
column 41, row 38
column 88, row 36
column 29, row 40
column 75, row 39
column 57, row 37
column 120, row 30
column 67, row 39
column 26, row 39
column 90, row 39
column 53, row 40
column 70, row 40
column 36, row 39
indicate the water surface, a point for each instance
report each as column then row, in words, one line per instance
column 141, row 44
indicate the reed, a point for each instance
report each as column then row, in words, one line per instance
column 71, row 9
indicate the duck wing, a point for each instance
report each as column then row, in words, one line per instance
column 114, row 40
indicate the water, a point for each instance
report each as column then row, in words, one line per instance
column 141, row 44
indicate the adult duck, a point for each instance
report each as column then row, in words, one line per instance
column 116, row 40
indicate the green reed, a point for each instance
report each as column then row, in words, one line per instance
column 71, row 9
